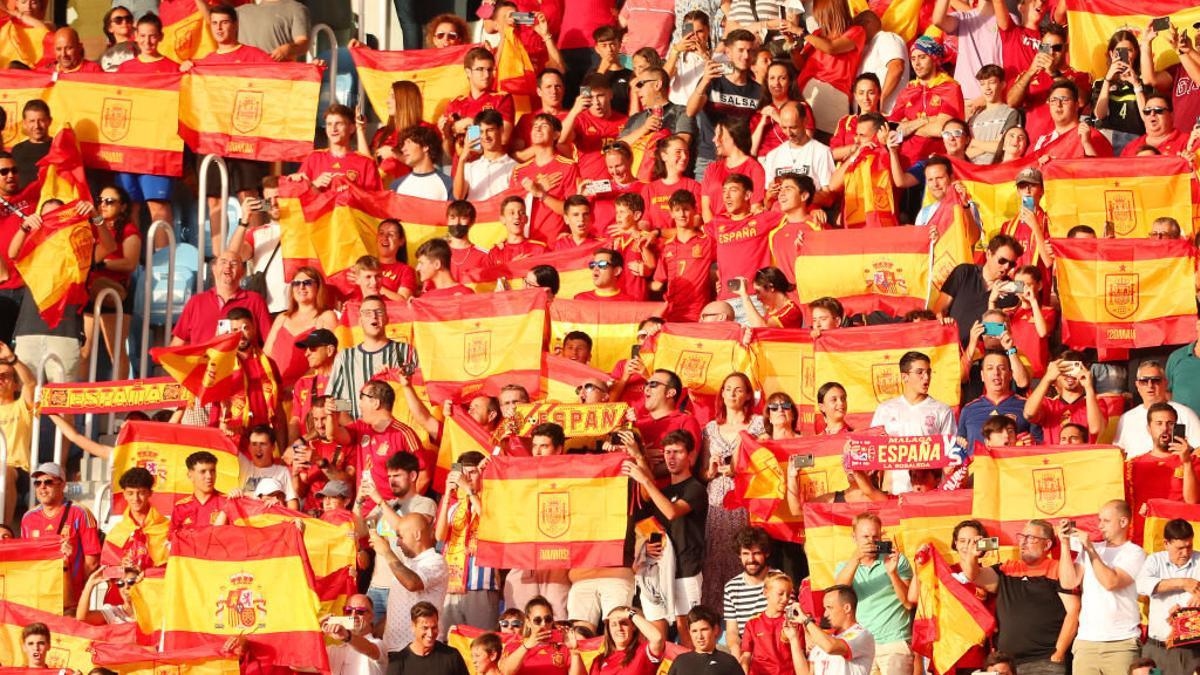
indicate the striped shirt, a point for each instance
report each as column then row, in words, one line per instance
column 354, row 367
column 744, row 601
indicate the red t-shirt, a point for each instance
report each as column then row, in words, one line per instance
column 396, row 275
column 305, row 389
column 525, row 125
column 467, row 108
column 198, row 322
column 844, row 135
column 763, row 638
column 1034, row 348
column 1056, row 412
column 920, row 99
column 138, row 66
column 714, row 181
column 591, row 133
column 1037, row 110
column 1149, row 477
column 504, row 252
column 657, row 195
column 550, row 658
column 565, row 242
column 604, row 206
column 356, row 168
column 449, row 291
column 190, row 513
column 1185, row 97
column 79, row 527
column 837, row 70
column 545, row 224
column 9, row 224
column 652, row 430
column 620, row 296
column 374, row 448
column 127, row 230
column 466, row 259
column 240, row 54
column 743, row 247
column 684, row 267
column 630, row 247
column 1018, row 46
column 788, row 316
column 635, row 388
column 642, row 663
column 1173, row 144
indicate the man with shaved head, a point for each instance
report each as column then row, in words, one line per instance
column 717, row 310
column 1109, row 619
column 68, row 54
column 801, row 153
column 419, row 574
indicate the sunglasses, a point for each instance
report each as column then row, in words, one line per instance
column 121, row 18
column 1005, row 262
column 45, row 482
column 1156, row 110
column 446, row 36
column 303, row 283
column 124, row 583
column 777, row 407
column 511, row 623
column 355, row 611
column 541, row 620
column 8, row 171
column 599, row 265
column 109, row 201
column 654, row 384
column 585, row 387
column 952, row 133
column 1150, row 380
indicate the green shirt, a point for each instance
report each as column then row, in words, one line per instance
column 1183, row 374
column 879, row 610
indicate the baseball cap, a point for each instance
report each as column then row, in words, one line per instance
column 267, row 486
column 334, row 488
column 1029, row 176
column 320, row 337
column 49, row 469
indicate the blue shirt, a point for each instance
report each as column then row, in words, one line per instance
column 975, row 413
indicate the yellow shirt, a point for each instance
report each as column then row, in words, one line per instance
column 16, row 422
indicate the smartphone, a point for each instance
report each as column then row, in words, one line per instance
column 1071, row 368
column 894, row 126
column 1160, row 24
column 264, row 206
column 723, row 59
column 1088, row 120
column 1043, row 48
column 1027, row 203
column 523, row 18
column 347, row 622
column 727, row 460
column 794, row 613
column 988, row 544
column 734, row 284
column 456, row 466
column 224, row 326
column 688, row 28
column 473, row 133
column 1071, row 526
column 585, row 91
column 801, row 461
column 408, row 369
column 635, row 351
column 993, row 328
column 341, row 405
column 1180, row 431
column 884, row 548
column 655, row 538
column 1123, row 54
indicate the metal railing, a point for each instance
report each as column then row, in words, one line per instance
column 97, row 342
column 385, row 16
column 331, row 68
column 202, row 214
column 36, row 434
column 3, row 475
column 147, row 301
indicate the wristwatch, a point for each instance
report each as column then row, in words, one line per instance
column 1011, row 351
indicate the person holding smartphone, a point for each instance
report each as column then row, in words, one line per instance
column 880, row 575
column 1168, row 470
column 354, row 650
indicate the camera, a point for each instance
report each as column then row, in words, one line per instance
column 884, row 548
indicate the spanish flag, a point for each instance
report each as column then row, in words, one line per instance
column 866, row 361
column 330, row 229
column 460, row 636
column 148, row 599
column 163, row 449
column 399, row 325
column 574, row 277
column 782, row 360
column 1158, row 512
column 129, row 659
column 957, row 237
column 581, row 504
column 994, row 190
column 18, row 87
column 886, row 271
column 210, row 370
column 560, row 377
column 464, row 340
column 760, row 482
column 437, row 72
column 950, row 619
column 829, row 532
column 1016, row 484
column 1125, row 293
column 60, row 172
column 55, row 261
column 930, row 517
column 1136, row 191
column 186, row 36
column 21, row 43
column 128, row 544
column 31, row 574
column 262, row 112
column 248, row 581
column 611, row 325
column 1092, row 23
column 121, row 123
column 701, row 354
column 870, row 198
column 70, row 640
column 515, row 73
column 585, row 424
column 460, row 433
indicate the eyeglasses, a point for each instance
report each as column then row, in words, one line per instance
column 45, row 482
column 109, row 201
column 372, row 312
column 1005, row 262
column 8, row 170
column 953, row 133
column 1029, row 537
column 304, row 283
column 1061, row 100
column 599, row 265
column 1054, row 48
column 541, row 620
column 355, row 611
column 446, row 36
column 483, row 69
column 1155, row 379
column 363, row 394
column 511, row 623
column 778, row 407
column 1156, row 110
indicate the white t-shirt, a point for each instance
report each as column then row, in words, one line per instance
column 878, row 53
column 487, row 177
column 431, row 567
column 381, row 576
column 813, row 159
column 434, row 185
column 1108, row 616
column 1133, row 432
column 898, row 417
column 252, row 475
column 862, row 654
column 346, row 660
column 689, row 68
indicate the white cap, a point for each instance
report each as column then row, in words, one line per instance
column 267, row 486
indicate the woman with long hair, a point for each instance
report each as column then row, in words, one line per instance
column 446, row 30
column 779, row 89
column 867, row 94
column 118, row 30
column 1013, row 145
column 782, row 420
column 731, row 137
column 671, row 157
column 828, row 61
column 309, row 308
column 633, row 645
column 405, row 110
column 718, row 458
column 1120, row 95
column 115, row 271
column 831, row 401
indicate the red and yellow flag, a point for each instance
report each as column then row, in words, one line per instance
column 399, row 323
column 31, row 573
column 480, row 336
column 60, row 173
column 701, row 354
column 55, row 261
column 930, row 517
column 210, row 370
column 870, row 198
column 163, row 449
column 906, row 18
column 782, row 360
column 69, row 398
column 20, row 42
column 561, row 376
column 123, row 123
column 1125, row 293
column 1016, row 484
column 70, row 640
column 1129, row 192
column 574, row 277
column 129, row 544
column 761, row 475
column 585, row 424
column 248, row 581
column 581, row 504
column 611, row 325
column 1158, row 512
column 515, row 73
column 250, row 111
column 866, row 361
column 958, row 234
column 1092, row 23
column 18, row 87
column 994, row 189
column 460, row 433
column 829, row 530
column 438, row 73
column 886, row 271
column 186, row 36
column 129, row 659
column 950, row 620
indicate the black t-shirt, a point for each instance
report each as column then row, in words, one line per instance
column 716, row 663
column 1029, row 615
column 443, row 660
column 724, row 99
column 1123, row 113
column 686, row 533
column 26, row 154
column 30, row 321
column 966, row 285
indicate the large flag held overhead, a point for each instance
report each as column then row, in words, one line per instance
column 1092, row 22
column 866, row 361
column 930, row 517
column 1016, row 484
column 210, row 370
column 1125, row 293
column 558, row 512
column 886, row 271
column 262, row 112
column 18, row 87
column 994, row 190
column 70, row 639
column 438, row 73
column 574, row 277
column 701, row 354
column 585, row 424
column 247, row 581
column 464, row 340
column 20, row 42
column 55, row 261
column 783, row 361
column 186, row 36
column 1128, row 192
column 950, row 620
column 561, row 377
column 611, row 325
column 163, row 449
column 31, row 573
column 460, row 433
column 123, row 124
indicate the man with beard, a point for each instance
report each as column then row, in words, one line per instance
column 744, row 597
column 355, row 366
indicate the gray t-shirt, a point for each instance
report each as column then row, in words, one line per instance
column 272, row 23
column 990, row 124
